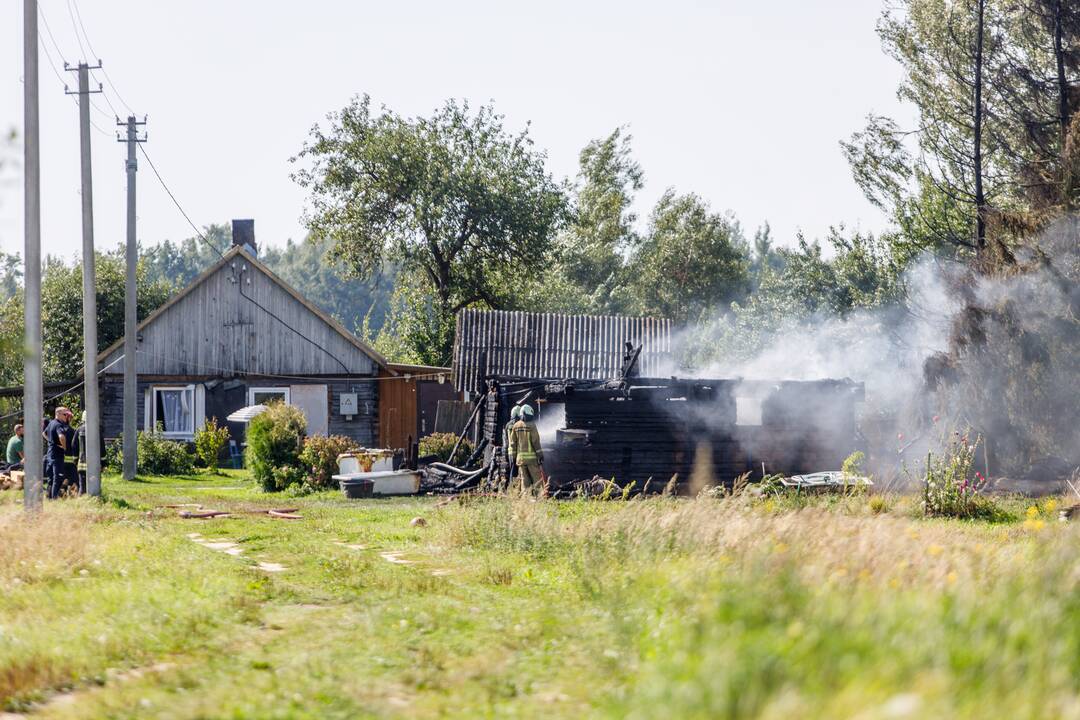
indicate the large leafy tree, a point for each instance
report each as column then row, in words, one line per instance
column 458, row 203
column 691, row 260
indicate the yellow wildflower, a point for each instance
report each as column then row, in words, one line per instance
column 952, row 577
column 935, row 550
column 1033, row 512
column 1050, row 505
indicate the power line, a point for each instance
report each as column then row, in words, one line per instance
column 48, row 29
column 103, row 70
column 216, row 249
column 76, row 29
column 56, row 71
column 65, row 391
column 176, row 202
column 111, row 106
column 279, row 376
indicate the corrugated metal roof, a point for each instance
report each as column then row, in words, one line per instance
column 546, row 345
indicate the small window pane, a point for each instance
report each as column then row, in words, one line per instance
column 263, row 397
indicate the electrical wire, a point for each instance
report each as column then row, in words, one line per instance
column 221, row 255
column 109, row 102
column 279, row 376
column 65, row 391
column 48, row 29
column 76, row 29
column 56, row 71
column 73, row 96
column 176, row 202
column 105, row 72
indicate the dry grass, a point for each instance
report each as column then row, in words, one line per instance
column 49, row 545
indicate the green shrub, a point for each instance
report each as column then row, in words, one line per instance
column 274, row 440
column 440, row 445
column 156, row 455
column 210, row 440
column 113, row 457
column 319, row 457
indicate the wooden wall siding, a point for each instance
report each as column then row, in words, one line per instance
column 546, row 345
column 213, row 329
column 225, row 397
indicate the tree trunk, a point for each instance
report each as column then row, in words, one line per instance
column 1063, row 106
column 980, row 197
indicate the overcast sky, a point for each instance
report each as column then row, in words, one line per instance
column 743, row 102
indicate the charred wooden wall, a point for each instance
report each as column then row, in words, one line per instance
column 653, row 432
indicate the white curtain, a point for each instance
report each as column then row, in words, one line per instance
column 175, row 410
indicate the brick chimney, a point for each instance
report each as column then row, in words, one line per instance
column 243, row 234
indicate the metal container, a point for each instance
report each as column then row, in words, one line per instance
column 357, row 488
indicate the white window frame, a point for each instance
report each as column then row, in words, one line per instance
column 283, row 390
column 195, row 422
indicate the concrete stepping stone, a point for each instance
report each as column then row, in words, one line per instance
column 271, row 567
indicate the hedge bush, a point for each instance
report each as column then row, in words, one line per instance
column 274, row 441
column 320, row 455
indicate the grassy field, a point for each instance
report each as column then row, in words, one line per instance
column 838, row 607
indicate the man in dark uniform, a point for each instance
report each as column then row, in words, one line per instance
column 56, row 435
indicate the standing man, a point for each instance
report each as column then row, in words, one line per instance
column 508, row 431
column 526, row 452
column 15, row 455
column 56, row 436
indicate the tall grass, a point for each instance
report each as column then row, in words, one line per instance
column 43, row 547
column 725, row 609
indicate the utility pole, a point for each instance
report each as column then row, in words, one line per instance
column 32, row 390
column 92, row 398
column 131, row 378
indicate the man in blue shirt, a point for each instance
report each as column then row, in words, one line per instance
column 56, row 435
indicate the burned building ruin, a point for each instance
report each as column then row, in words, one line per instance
column 605, row 410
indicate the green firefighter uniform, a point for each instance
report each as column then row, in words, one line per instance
column 526, row 452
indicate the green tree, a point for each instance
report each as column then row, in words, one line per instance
column 61, row 309
column 594, row 246
column 457, row 202
column 181, row 262
column 690, row 261
column 947, row 193
column 312, row 268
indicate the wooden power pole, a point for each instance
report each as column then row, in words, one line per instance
column 32, row 389
column 131, row 378
column 92, row 398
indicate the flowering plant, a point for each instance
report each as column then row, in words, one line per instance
column 952, row 487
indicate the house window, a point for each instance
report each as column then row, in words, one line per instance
column 265, row 395
column 174, row 409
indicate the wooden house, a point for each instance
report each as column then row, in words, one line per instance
column 239, row 335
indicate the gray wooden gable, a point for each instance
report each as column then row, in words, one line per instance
column 240, row 319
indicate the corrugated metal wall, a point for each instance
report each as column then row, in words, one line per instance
column 546, row 345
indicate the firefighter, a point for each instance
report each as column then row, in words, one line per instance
column 526, row 451
column 508, row 429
